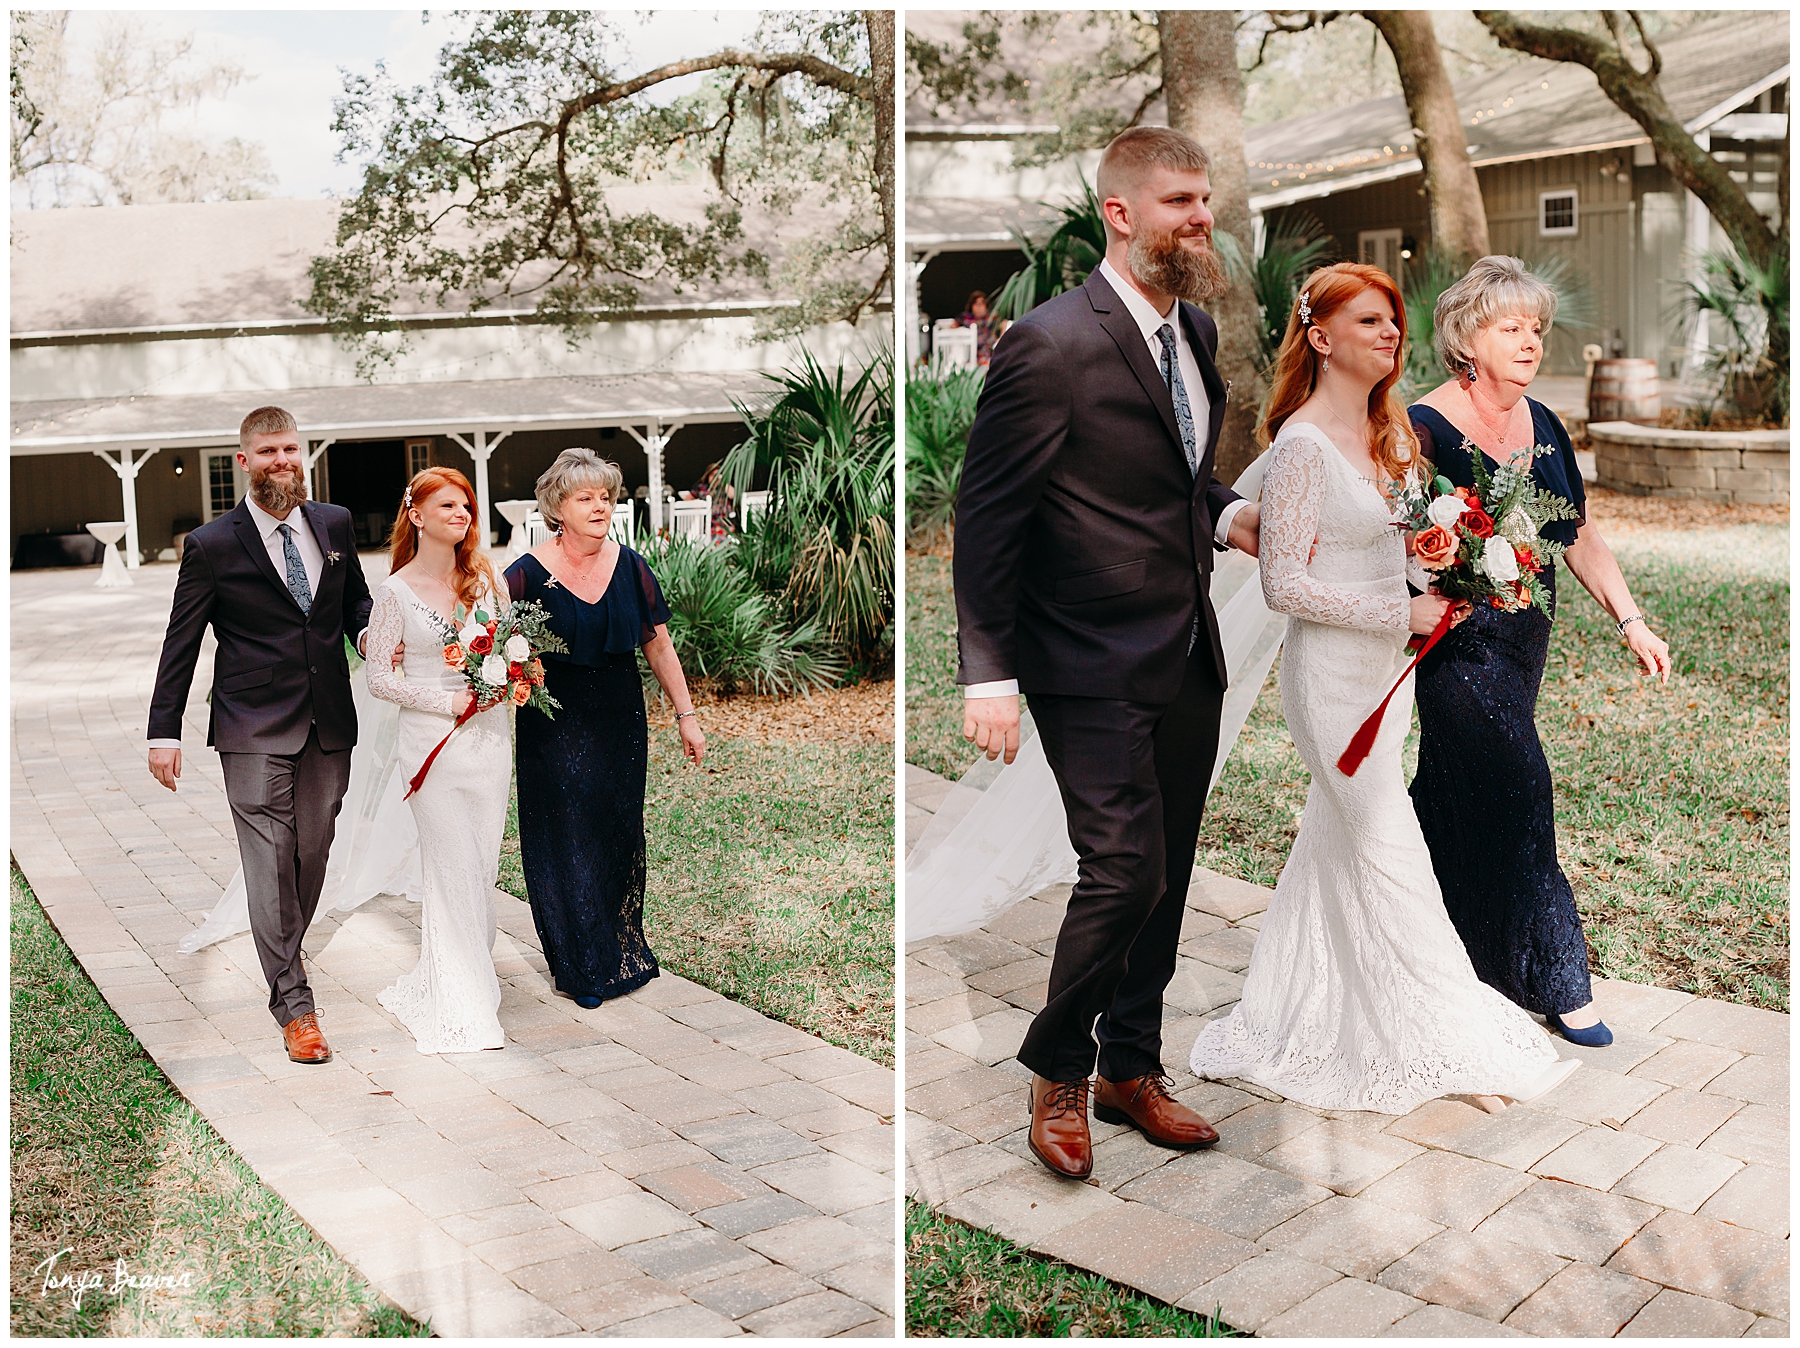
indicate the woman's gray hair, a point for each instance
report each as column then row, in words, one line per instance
column 1494, row 288
column 573, row 470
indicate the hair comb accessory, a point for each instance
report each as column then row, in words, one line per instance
column 406, row 501
column 1305, row 311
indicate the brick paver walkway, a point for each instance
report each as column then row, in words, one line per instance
column 1646, row 1196
column 671, row 1164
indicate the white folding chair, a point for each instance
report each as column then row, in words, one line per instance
column 754, row 501
column 691, row 519
column 623, row 530
column 955, row 346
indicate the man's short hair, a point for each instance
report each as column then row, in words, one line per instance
column 265, row 421
column 1138, row 149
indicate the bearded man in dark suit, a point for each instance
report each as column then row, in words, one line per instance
column 278, row 581
column 1085, row 530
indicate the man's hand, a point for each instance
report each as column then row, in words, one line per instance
column 165, row 766
column 400, row 656
column 993, row 724
column 1245, row 526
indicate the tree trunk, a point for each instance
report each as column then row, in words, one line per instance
column 1458, row 218
column 1638, row 95
column 1206, row 100
column 881, row 95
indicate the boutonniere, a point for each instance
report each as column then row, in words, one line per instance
column 334, row 558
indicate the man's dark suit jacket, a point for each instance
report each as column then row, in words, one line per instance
column 1083, row 543
column 278, row 671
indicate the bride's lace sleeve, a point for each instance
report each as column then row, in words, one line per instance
column 1293, row 495
column 387, row 628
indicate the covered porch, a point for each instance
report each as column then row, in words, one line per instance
column 170, row 459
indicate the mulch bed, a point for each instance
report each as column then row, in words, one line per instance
column 863, row 714
column 1615, row 513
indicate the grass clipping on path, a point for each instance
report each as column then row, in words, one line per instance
column 771, row 880
column 1671, row 801
column 109, row 1163
column 965, row 1283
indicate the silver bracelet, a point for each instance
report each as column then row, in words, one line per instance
column 680, row 714
column 1623, row 623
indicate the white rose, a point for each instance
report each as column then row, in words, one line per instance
column 493, row 668
column 1498, row 561
column 517, row 648
column 1518, row 527
column 469, row 634
column 1445, row 511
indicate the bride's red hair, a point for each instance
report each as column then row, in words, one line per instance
column 474, row 572
column 1392, row 442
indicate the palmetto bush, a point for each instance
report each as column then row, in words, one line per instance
column 825, row 545
column 1061, row 262
column 730, row 634
column 1746, row 307
column 940, row 409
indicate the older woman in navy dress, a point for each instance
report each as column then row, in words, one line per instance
column 1483, row 792
column 581, row 776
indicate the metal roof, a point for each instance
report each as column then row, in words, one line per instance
column 966, row 224
column 1531, row 111
column 388, row 411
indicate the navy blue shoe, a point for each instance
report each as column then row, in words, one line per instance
column 1594, row 1036
column 589, row 1003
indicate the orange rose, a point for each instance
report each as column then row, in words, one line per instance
column 521, row 694
column 1435, row 547
column 453, row 655
column 1462, row 493
column 536, row 671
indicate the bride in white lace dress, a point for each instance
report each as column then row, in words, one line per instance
column 450, row 1001
column 1360, row 994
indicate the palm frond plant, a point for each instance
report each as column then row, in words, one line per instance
column 730, row 634
column 1061, row 262
column 1294, row 244
column 825, row 448
column 940, row 408
column 1746, row 311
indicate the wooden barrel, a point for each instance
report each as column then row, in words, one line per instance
column 1624, row 390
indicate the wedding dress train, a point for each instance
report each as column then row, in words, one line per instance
column 1000, row 835
column 1359, row 994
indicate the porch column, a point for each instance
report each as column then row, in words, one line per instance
column 481, row 451
column 655, row 440
column 1698, row 240
column 915, row 306
column 309, row 464
column 127, row 468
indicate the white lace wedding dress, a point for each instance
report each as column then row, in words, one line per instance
column 450, row 1001
column 1359, row 993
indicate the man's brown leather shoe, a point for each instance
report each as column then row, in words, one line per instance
column 1145, row 1104
column 305, row 1041
column 1059, row 1126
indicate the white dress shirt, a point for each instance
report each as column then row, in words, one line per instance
column 1187, row 366
column 311, row 560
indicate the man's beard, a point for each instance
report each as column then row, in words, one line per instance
column 278, row 495
column 1163, row 262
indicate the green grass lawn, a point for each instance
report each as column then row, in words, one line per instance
column 1671, row 801
column 964, row 1283
column 772, row 880
column 110, row 1163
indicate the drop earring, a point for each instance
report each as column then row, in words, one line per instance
column 1325, row 365
column 1471, row 372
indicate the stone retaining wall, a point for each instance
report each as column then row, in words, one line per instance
column 1744, row 467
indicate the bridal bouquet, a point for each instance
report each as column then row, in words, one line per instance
column 1483, row 545
column 500, row 658
column 1456, row 537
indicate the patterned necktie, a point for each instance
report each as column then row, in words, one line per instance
column 1184, row 416
column 296, row 570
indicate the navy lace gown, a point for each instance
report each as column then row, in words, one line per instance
column 1483, row 793
column 581, row 781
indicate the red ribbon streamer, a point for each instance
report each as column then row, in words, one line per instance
column 1364, row 738
column 419, row 776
